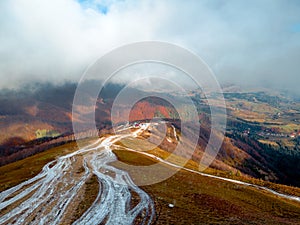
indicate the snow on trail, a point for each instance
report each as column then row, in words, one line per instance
column 289, row 197
column 47, row 197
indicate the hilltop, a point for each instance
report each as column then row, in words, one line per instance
column 261, row 138
column 186, row 197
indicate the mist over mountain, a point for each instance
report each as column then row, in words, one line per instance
column 45, row 110
column 254, row 43
column 149, row 112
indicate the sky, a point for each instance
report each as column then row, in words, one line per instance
column 253, row 42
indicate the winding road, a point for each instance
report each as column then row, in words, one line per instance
column 47, row 198
column 285, row 196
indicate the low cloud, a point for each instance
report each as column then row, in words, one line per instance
column 251, row 43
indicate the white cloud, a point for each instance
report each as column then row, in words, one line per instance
column 244, row 41
column 57, row 39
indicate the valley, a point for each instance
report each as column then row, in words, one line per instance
column 253, row 179
column 103, row 170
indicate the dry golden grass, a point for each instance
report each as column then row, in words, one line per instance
column 190, row 164
column 197, row 199
column 203, row 200
column 17, row 172
column 267, row 142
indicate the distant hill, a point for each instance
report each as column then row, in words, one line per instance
column 48, row 108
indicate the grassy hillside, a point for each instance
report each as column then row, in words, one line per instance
column 196, row 199
column 202, row 200
column 262, row 137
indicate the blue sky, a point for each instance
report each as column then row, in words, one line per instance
column 100, row 6
column 295, row 27
column 249, row 42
